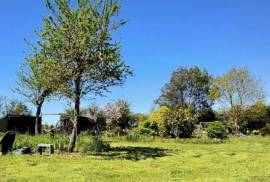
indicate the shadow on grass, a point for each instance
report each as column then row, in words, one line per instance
column 134, row 153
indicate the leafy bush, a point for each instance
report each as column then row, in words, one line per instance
column 217, row 130
column 160, row 116
column 149, row 128
column 182, row 121
column 93, row 144
column 133, row 137
column 266, row 130
column 254, row 118
column 175, row 121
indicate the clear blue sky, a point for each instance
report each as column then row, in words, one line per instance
column 161, row 36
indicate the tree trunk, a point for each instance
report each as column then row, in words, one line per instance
column 73, row 136
column 38, row 120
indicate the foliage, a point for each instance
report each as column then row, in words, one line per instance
column 15, row 107
column 175, row 122
column 138, row 118
column 182, row 121
column 235, row 91
column 234, row 117
column 265, row 130
column 217, row 130
column 149, row 128
column 160, row 116
column 237, row 87
column 93, row 144
column 80, row 39
column 207, row 115
column 38, row 79
column 60, row 142
column 187, row 86
column 254, row 118
column 118, row 116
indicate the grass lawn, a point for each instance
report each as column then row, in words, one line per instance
column 240, row 159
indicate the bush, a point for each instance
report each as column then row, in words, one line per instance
column 149, row 128
column 254, row 118
column 160, row 117
column 217, row 130
column 182, row 121
column 266, row 130
column 135, row 136
column 93, row 144
column 175, row 121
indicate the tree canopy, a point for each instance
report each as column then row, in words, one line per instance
column 80, row 39
column 187, row 86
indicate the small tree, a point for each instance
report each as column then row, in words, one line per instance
column 80, row 38
column 38, row 79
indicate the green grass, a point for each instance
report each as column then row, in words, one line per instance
column 239, row 159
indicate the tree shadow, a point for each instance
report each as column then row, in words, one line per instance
column 134, row 153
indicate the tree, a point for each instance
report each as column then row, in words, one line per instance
column 80, row 39
column 38, row 79
column 235, row 91
column 118, row 116
column 16, row 108
column 187, row 86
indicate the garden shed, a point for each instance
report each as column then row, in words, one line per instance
column 20, row 124
column 84, row 124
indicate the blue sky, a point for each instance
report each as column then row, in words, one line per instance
column 160, row 37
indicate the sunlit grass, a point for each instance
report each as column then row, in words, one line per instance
column 239, row 159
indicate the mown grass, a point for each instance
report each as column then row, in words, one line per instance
column 238, row 159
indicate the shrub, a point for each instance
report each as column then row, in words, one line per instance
column 93, row 144
column 217, row 130
column 160, row 117
column 149, row 128
column 175, row 121
column 182, row 121
column 254, row 118
column 266, row 130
